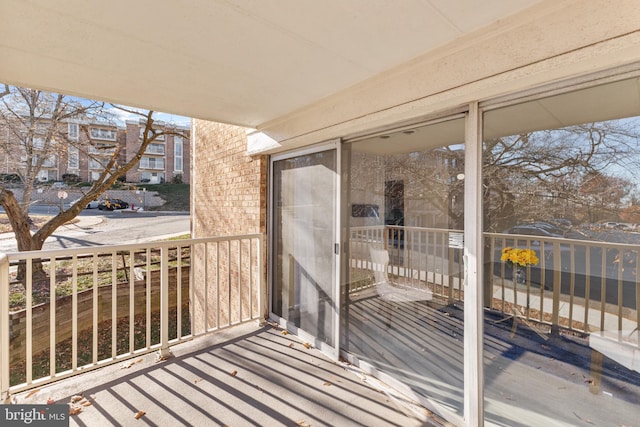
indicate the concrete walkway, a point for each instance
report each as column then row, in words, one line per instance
column 243, row 376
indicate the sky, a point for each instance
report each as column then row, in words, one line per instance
column 123, row 116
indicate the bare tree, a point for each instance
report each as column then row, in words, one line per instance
column 41, row 126
column 574, row 171
column 34, row 125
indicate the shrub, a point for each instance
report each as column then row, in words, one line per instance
column 70, row 178
column 177, row 179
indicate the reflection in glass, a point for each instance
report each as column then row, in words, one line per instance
column 402, row 293
column 561, row 335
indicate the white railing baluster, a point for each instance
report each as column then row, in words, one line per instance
column 192, row 251
column 95, row 289
column 179, row 292
column 228, row 259
column 217, row 285
column 29, row 308
column 114, row 304
column 250, row 279
column 587, row 289
column 132, row 306
column 240, row 281
column 4, row 329
column 148, row 298
column 206, row 286
column 164, row 302
column 74, row 312
column 52, row 316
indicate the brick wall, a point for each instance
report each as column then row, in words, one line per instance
column 230, row 199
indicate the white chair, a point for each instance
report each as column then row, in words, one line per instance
column 388, row 290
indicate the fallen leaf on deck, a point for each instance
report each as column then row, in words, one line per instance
column 327, row 383
column 291, row 345
column 233, row 373
column 285, row 332
column 32, row 392
column 74, row 410
column 307, row 345
column 50, row 401
column 127, row 364
column 76, row 398
column 139, row 414
column 86, row 403
column 197, row 380
column 303, row 424
column 583, row 419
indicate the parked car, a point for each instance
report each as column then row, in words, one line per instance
column 111, row 204
column 531, row 230
column 91, row 205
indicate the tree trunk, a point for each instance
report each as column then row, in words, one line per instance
column 21, row 225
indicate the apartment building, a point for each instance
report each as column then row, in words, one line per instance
column 84, row 149
column 166, row 159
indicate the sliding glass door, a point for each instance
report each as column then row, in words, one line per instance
column 305, row 244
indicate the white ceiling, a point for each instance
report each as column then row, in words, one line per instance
column 245, row 62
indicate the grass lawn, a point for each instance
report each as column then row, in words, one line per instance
column 176, row 196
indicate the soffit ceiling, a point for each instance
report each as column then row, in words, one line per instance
column 245, row 62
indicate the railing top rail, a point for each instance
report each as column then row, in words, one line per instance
column 107, row 249
column 562, row 240
column 435, row 230
column 401, row 227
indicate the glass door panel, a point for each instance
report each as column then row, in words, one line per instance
column 402, row 293
column 304, row 243
column 561, row 214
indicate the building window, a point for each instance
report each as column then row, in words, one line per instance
column 38, row 143
column 73, row 131
column 151, row 163
column 177, row 153
column 108, row 134
column 95, row 164
column 158, row 138
column 47, row 162
column 74, row 155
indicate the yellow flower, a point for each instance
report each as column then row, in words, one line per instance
column 521, row 257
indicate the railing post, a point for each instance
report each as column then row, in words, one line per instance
column 557, row 276
column 263, row 302
column 164, row 302
column 4, row 329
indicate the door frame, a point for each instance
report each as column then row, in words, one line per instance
column 332, row 351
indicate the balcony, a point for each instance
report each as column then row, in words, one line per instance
column 102, row 150
column 157, row 150
column 574, row 314
column 186, row 342
column 227, row 370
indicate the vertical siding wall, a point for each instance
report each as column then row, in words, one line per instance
column 229, row 194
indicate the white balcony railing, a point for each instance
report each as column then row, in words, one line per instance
column 113, row 303
column 156, row 149
column 578, row 285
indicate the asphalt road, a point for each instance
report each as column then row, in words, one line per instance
column 111, row 228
